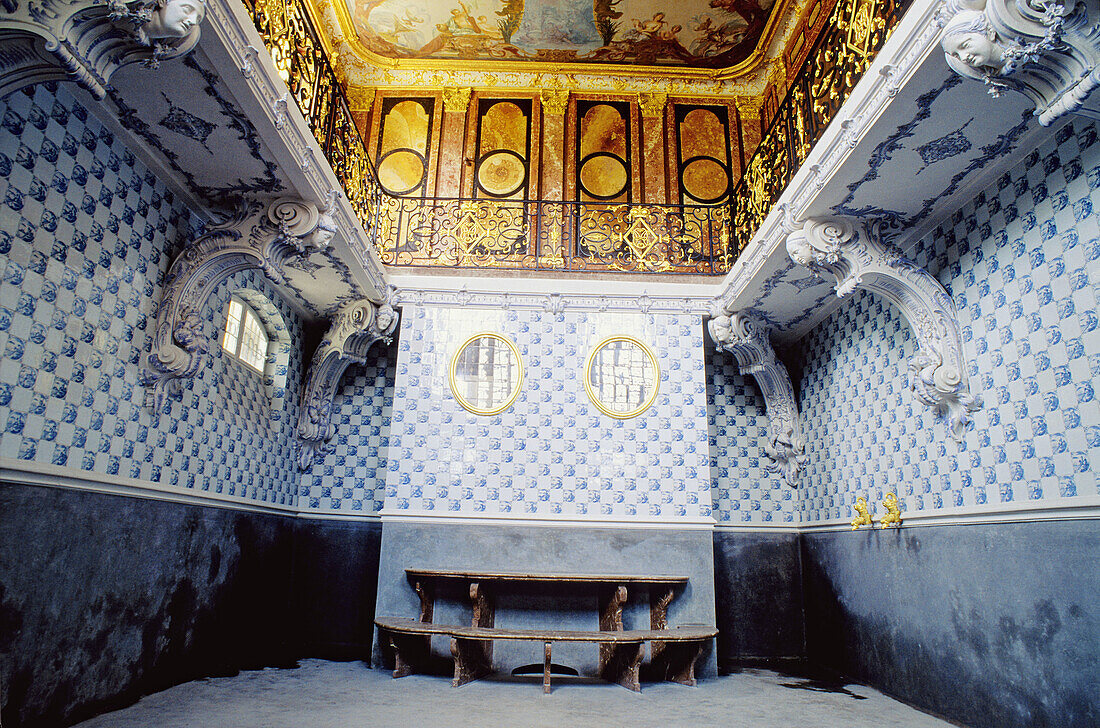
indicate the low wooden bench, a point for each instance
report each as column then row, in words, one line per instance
column 675, row 650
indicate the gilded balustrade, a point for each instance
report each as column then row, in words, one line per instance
column 550, row 235
column 300, row 58
column 841, row 53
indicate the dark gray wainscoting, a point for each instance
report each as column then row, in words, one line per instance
column 104, row 598
column 758, row 591
column 989, row 625
column 547, row 549
column 335, row 577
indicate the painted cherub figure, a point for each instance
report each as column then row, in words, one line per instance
column 893, row 512
column 864, row 517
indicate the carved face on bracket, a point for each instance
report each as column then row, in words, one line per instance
column 384, row 319
column 174, row 19
column 971, row 46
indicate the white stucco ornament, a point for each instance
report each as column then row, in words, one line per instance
column 744, row 336
column 856, row 255
column 355, row 328
column 1047, row 50
column 254, row 235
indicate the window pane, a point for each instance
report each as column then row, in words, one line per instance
column 253, row 343
column 232, row 327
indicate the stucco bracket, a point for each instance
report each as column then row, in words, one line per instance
column 87, row 41
column 355, row 327
column 855, row 253
column 1048, row 50
column 254, row 235
column 743, row 335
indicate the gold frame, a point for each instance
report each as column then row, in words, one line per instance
column 596, row 400
column 515, row 390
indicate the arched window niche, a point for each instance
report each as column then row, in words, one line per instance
column 277, row 357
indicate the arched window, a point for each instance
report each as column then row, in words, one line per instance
column 244, row 337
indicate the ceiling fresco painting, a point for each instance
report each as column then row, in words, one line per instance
column 695, row 34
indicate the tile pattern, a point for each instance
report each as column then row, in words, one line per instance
column 743, row 491
column 1021, row 263
column 352, row 475
column 552, row 454
column 86, row 235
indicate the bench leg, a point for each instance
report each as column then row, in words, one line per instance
column 680, row 659
column 546, row 670
column 624, row 664
column 470, row 662
column 409, row 652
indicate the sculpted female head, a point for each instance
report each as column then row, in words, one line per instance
column 174, row 19
column 971, row 46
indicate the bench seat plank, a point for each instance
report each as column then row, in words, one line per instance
column 547, row 577
column 687, row 633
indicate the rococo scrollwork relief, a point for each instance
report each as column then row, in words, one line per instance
column 1046, row 49
column 855, row 253
column 254, row 235
column 744, row 335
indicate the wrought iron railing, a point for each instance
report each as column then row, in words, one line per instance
column 548, row 235
column 300, row 58
column 843, row 50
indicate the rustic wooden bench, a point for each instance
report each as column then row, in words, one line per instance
column 675, row 650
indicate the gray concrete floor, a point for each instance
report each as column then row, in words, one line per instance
column 322, row 694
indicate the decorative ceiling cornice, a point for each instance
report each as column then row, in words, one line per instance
column 361, row 67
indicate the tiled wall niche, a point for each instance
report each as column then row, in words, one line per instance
column 86, row 235
column 552, row 454
column 1020, row 263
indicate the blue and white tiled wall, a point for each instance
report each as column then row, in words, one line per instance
column 552, row 454
column 1022, row 263
column 744, row 492
column 351, row 477
column 86, row 234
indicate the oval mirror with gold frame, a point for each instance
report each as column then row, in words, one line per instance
column 486, row 373
column 621, row 377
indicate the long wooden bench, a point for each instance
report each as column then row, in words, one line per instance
column 675, row 650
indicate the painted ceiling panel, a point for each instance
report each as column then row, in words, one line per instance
column 695, row 33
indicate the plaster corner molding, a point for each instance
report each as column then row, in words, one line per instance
column 1046, row 49
column 355, row 328
column 253, row 235
column 743, row 335
column 856, row 255
column 87, row 41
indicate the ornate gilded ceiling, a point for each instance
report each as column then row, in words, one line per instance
column 698, row 47
column 694, row 33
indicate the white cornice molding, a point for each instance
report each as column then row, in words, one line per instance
column 232, row 43
column 1083, row 507
column 911, row 41
column 22, row 472
column 552, row 295
column 679, row 524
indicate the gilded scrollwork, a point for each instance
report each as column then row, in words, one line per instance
column 840, row 55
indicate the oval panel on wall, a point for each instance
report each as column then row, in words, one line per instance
column 621, row 377
column 486, row 373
